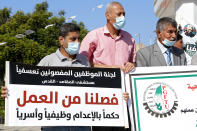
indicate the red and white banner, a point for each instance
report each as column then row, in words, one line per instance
column 64, row 96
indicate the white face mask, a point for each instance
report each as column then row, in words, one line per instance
column 168, row 43
column 73, row 48
column 120, row 22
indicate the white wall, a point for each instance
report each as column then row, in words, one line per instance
column 186, row 12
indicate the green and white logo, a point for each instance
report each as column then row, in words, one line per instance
column 160, row 100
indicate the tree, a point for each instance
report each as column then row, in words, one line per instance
column 61, row 13
column 31, row 48
column 4, row 15
column 83, row 31
column 42, row 7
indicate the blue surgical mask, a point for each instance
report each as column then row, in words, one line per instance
column 168, row 43
column 120, row 22
column 73, row 48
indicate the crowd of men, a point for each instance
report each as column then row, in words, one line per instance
column 112, row 47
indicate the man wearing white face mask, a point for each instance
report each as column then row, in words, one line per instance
column 162, row 53
column 110, row 46
column 67, row 54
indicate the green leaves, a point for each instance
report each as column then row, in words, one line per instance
column 32, row 47
column 4, row 15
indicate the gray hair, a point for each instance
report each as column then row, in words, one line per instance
column 162, row 22
column 109, row 5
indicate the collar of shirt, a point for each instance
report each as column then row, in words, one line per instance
column 106, row 32
column 64, row 58
column 163, row 49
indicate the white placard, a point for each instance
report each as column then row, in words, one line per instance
column 43, row 104
column 163, row 99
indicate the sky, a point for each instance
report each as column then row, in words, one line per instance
column 140, row 17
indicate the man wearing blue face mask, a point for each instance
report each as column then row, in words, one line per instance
column 162, row 53
column 67, row 54
column 110, row 46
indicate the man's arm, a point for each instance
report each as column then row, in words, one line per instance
column 130, row 65
column 88, row 46
column 43, row 62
